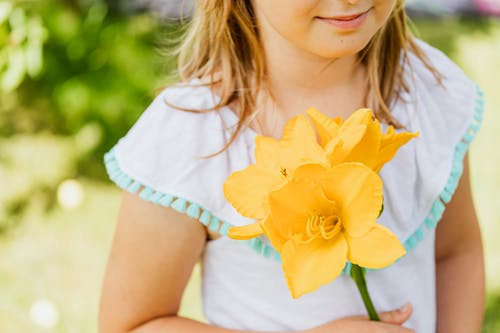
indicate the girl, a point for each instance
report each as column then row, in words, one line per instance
column 247, row 67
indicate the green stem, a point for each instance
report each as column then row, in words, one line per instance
column 358, row 275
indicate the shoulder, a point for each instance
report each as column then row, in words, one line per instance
column 165, row 157
column 180, row 118
column 167, row 150
column 448, row 106
column 454, row 86
column 177, row 112
column 423, row 176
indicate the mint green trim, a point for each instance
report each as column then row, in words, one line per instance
column 214, row 223
column 446, row 195
column 193, row 211
column 181, row 205
column 205, row 217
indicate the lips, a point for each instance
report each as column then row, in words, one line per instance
column 346, row 22
column 345, row 17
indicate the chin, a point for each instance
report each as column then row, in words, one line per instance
column 341, row 48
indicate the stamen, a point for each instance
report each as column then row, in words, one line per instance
column 318, row 225
column 312, row 226
column 330, row 226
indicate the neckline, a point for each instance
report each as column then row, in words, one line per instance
column 400, row 103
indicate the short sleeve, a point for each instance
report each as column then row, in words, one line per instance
column 424, row 175
column 166, row 156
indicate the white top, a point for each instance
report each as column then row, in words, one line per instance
column 243, row 285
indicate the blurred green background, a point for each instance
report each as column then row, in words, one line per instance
column 74, row 76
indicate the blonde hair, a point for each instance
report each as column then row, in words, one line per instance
column 222, row 39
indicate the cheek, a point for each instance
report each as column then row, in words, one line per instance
column 288, row 17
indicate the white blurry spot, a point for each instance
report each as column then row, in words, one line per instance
column 70, row 194
column 44, row 313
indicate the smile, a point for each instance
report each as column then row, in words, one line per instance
column 346, row 22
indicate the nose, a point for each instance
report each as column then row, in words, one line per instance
column 352, row 2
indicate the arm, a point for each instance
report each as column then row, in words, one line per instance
column 460, row 264
column 152, row 256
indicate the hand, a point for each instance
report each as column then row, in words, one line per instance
column 390, row 322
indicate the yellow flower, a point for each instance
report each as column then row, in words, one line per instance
column 318, row 203
column 325, row 216
column 276, row 160
column 358, row 139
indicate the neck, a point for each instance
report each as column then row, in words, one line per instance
column 299, row 71
column 298, row 79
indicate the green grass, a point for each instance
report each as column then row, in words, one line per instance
column 60, row 256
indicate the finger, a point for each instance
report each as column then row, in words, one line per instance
column 390, row 328
column 380, row 327
column 400, row 329
column 398, row 316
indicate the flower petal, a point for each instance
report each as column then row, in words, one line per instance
column 308, row 266
column 353, row 129
column 350, row 135
column 360, row 116
column 273, row 234
column 391, row 142
column 244, row 232
column 366, row 150
column 358, row 191
column 298, row 127
column 248, row 190
column 299, row 145
column 326, row 127
column 293, row 203
column 378, row 248
column 335, row 150
column 266, row 149
column 312, row 172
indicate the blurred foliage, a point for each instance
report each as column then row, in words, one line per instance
column 22, row 35
column 444, row 33
column 492, row 314
column 83, row 72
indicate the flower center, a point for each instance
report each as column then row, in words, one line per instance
column 325, row 226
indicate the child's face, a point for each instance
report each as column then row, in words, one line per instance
column 306, row 24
